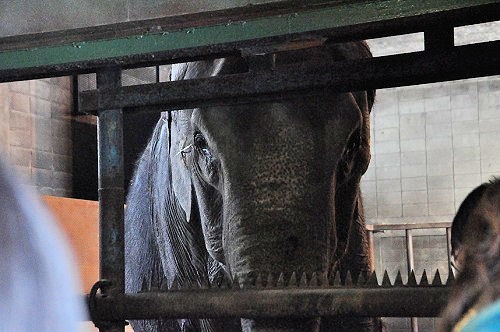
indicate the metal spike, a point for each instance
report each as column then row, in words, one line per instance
column 249, row 282
column 303, row 280
column 155, row 283
column 175, row 283
column 258, row 281
column 270, row 281
column 185, row 286
column 281, row 281
column 164, row 285
column 437, row 279
column 324, row 279
column 223, row 285
column 362, row 279
column 337, row 281
column 331, row 277
column 412, row 281
column 314, row 280
column 386, row 281
column 355, row 278
column 372, row 281
column 399, row 280
column 204, row 283
column 236, row 281
column 293, row 280
column 348, row 279
column 451, row 277
column 424, row 281
column 144, row 286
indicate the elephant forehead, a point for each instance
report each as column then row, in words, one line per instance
column 298, row 121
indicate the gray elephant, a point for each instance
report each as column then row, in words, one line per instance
column 243, row 190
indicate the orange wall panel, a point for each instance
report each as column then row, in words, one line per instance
column 79, row 219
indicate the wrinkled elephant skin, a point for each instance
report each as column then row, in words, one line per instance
column 252, row 189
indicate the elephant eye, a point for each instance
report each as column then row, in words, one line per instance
column 201, row 144
column 206, row 164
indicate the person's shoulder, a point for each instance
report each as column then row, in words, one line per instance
column 486, row 320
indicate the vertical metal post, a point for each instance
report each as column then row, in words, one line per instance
column 371, row 247
column 111, row 194
column 439, row 38
column 448, row 246
column 411, row 267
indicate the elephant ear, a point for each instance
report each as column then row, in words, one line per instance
column 180, row 146
column 181, row 139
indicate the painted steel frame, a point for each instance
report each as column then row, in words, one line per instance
column 216, row 34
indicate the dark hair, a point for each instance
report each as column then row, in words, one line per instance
column 463, row 215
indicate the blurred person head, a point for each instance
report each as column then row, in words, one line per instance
column 37, row 279
column 475, row 239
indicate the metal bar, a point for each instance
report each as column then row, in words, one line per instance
column 383, row 72
column 371, row 246
column 178, row 42
column 414, row 324
column 411, row 267
column 111, row 195
column 409, row 251
column 448, row 246
column 404, row 226
column 386, row 302
column 458, row 12
column 439, row 38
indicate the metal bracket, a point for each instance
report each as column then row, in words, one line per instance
column 102, row 285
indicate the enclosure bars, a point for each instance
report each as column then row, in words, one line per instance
column 75, row 56
column 111, row 199
column 330, row 301
column 411, row 267
column 408, row 228
column 293, row 301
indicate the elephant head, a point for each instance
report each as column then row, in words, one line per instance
column 266, row 188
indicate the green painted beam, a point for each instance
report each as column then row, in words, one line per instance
column 337, row 15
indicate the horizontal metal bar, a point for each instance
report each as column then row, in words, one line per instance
column 397, row 70
column 166, row 43
column 386, row 302
column 395, row 227
column 441, row 8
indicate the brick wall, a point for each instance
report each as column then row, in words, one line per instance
column 35, row 132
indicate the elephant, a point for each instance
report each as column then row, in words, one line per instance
column 475, row 246
column 266, row 188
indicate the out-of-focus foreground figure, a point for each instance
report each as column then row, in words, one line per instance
column 474, row 304
column 37, row 281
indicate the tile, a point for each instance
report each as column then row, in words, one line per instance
column 414, row 197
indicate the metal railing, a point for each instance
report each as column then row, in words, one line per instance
column 410, row 260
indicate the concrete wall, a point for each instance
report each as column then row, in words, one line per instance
column 431, row 145
column 35, row 132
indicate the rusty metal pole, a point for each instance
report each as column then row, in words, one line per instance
column 411, row 267
column 111, row 195
column 448, row 246
column 371, row 247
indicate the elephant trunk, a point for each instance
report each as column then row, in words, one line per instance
column 291, row 236
column 277, row 242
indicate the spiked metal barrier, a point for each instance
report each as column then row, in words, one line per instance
column 262, row 297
